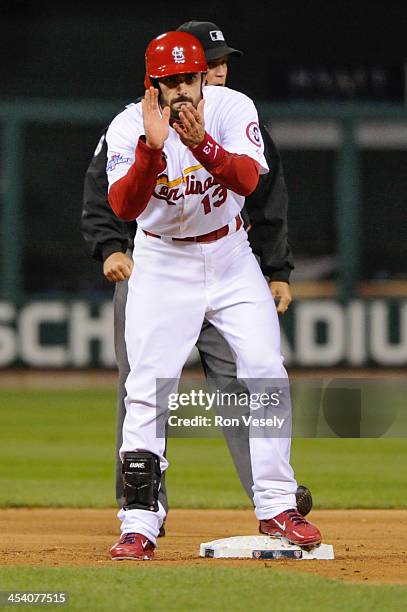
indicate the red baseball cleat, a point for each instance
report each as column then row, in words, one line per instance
column 132, row 547
column 292, row 526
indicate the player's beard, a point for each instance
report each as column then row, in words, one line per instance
column 175, row 107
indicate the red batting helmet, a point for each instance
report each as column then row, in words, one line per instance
column 174, row 53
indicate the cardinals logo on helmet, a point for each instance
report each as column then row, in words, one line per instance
column 178, row 55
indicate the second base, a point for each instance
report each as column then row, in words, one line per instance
column 261, row 547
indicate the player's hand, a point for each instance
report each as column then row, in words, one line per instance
column 117, row 267
column 156, row 121
column 282, row 295
column 191, row 128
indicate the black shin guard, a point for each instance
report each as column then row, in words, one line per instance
column 141, row 481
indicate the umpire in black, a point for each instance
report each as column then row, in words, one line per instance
column 265, row 215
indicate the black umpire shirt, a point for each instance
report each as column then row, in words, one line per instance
column 264, row 213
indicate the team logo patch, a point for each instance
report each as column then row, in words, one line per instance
column 216, row 35
column 178, row 55
column 115, row 160
column 253, row 133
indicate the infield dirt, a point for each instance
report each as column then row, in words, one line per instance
column 370, row 545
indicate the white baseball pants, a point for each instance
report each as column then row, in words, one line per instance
column 174, row 285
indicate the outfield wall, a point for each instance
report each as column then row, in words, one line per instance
column 315, row 333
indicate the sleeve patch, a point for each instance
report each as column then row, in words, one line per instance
column 116, row 159
column 253, row 133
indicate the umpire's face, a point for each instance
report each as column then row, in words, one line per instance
column 180, row 88
column 217, row 71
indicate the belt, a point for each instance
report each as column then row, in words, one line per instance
column 210, row 237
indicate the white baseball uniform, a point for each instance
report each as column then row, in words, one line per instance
column 176, row 284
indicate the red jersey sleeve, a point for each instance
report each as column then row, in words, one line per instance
column 240, row 173
column 130, row 195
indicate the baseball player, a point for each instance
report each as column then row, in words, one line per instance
column 111, row 241
column 181, row 162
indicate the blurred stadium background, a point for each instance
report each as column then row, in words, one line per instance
column 335, row 100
